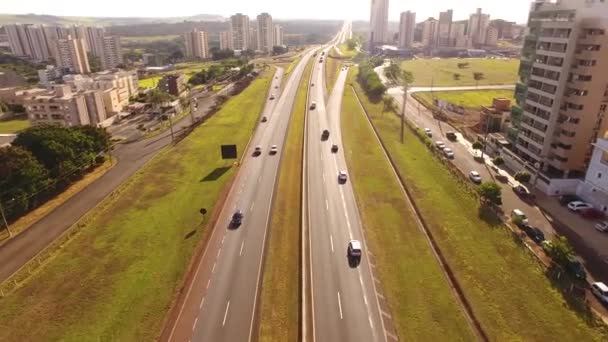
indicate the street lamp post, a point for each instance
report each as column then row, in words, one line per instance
column 8, row 228
column 405, row 88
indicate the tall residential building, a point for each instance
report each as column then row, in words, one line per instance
column 197, row 44
column 28, row 41
column 407, row 26
column 458, row 34
column 478, row 27
column 239, row 29
column 253, row 41
column 94, row 38
column 505, row 28
column 278, row 35
column 491, row 36
column 378, row 22
column 70, row 54
column 444, row 27
column 265, row 34
column 226, row 41
column 429, row 33
column 562, row 95
column 111, row 56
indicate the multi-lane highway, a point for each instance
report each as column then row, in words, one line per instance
column 220, row 301
column 344, row 304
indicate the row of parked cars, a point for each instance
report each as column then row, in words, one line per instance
column 586, row 210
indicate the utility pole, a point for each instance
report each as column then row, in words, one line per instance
column 405, row 87
column 191, row 106
column 8, row 228
column 171, row 128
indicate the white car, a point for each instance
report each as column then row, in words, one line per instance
column 600, row 290
column 354, row 249
column 274, row 149
column 475, row 177
column 440, row 145
column 602, row 226
column 448, row 153
column 342, row 177
column 579, row 205
column 428, row 132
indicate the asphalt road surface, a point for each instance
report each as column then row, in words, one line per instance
column 20, row 249
column 345, row 307
column 220, row 302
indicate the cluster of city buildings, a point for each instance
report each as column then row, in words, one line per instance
column 243, row 35
column 68, row 48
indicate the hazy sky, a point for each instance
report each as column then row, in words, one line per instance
column 515, row 10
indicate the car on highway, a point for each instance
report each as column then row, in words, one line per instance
column 534, row 233
column 578, row 205
column 519, row 218
column 602, row 226
column 600, row 290
column 257, row 150
column 313, row 105
column 325, row 135
column 272, row 96
column 475, row 177
column 451, row 136
column 274, row 149
column 276, row 87
column 428, row 132
column 321, row 60
column 440, row 145
column 354, row 252
column 565, row 199
column 264, row 119
column 342, row 177
column 334, row 148
column 312, row 84
column 237, row 218
column 448, row 153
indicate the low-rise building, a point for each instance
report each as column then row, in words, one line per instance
column 594, row 189
column 174, row 84
column 49, row 75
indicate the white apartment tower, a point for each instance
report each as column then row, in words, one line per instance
column 378, row 22
column 70, row 53
column 278, row 35
column 265, row 33
column 112, row 53
column 407, row 25
column 239, row 29
column 197, row 44
column 478, row 27
column 444, row 28
column 429, row 33
column 28, row 41
column 225, row 40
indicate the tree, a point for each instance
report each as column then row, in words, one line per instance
column 199, row 78
column 393, row 72
column 157, row 97
column 561, row 251
column 279, row 50
column 478, row 76
column 490, row 192
column 462, row 65
column 477, row 145
column 388, row 102
column 217, row 54
column 351, row 44
column 176, row 56
column 94, row 62
column 456, row 76
column 498, row 161
column 522, row 176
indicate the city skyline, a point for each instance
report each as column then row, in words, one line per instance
column 340, row 9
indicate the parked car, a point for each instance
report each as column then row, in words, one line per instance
column 578, row 205
column 448, row 153
column 522, row 191
column 602, row 226
column 451, row 136
column 428, row 132
column 342, row 177
column 313, row 105
column 600, row 290
column 576, row 269
column 565, row 199
column 440, row 145
column 475, row 177
column 519, row 218
column 591, row 213
column 334, row 148
column 274, row 149
column 534, row 233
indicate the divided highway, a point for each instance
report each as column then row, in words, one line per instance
column 344, row 303
column 220, row 302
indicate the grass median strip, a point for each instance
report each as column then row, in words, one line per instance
column 116, row 280
column 280, row 285
column 508, row 291
column 422, row 304
column 332, row 69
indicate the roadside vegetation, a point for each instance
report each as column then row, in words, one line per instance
column 332, row 70
column 116, row 279
column 13, row 126
column 461, row 72
column 279, row 318
column 472, row 99
column 347, row 52
column 403, row 257
column 507, row 288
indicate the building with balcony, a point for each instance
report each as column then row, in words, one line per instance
column 239, row 30
column 563, row 93
column 197, row 44
column 407, row 26
column 174, row 84
column 265, row 33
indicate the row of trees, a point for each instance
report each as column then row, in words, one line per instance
column 43, row 161
column 369, row 80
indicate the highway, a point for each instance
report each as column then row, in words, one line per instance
column 344, row 304
column 220, row 301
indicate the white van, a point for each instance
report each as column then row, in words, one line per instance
column 518, row 217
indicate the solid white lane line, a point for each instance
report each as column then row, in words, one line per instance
column 242, row 245
column 365, row 299
column 218, row 253
column 213, row 269
column 194, row 325
column 202, row 302
column 323, row 178
column 331, row 241
column 226, row 313
column 252, row 204
column 223, row 238
column 340, row 305
column 326, row 205
column 208, row 282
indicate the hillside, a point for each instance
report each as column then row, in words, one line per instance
column 99, row 21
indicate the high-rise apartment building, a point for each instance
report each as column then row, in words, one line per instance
column 505, row 28
column 112, row 53
column 407, row 26
column 378, row 22
column 444, row 27
column 491, row 36
column 239, row 29
column 458, row 34
column 563, row 93
column 253, row 41
column 278, row 35
column 226, row 41
column 429, row 33
column 478, row 27
column 71, row 54
column 265, row 34
column 94, row 39
column 28, row 41
column 197, row 44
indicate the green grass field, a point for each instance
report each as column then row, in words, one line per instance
column 423, row 307
column 115, row 280
column 472, row 99
column 150, row 82
column 346, row 52
column 13, row 126
column 332, row 70
column 280, row 313
column 508, row 290
column 440, row 72
column 188, row 69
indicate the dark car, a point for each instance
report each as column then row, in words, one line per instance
column 565, row 199
column 576, row 269
column 237, row 218
column 592, row 214
column 334, row 148
column 325, row 135
column 534, row 233
column 451, row 136
column 264, row 119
